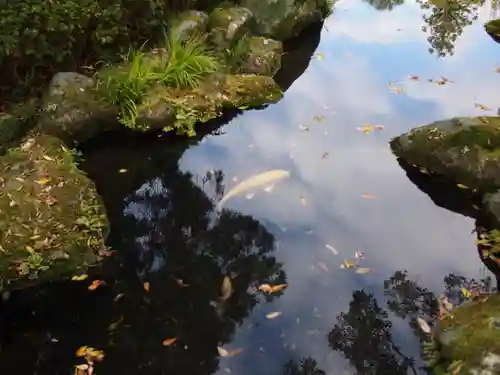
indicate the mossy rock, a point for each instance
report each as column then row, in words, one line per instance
column 464, row 149
column 72, row 110
column 179, row 109
column 264, row 56
column 16, row 122
column 284, row 19
column 228, row 24
column 52, row 223
column 469, row 337
column 190, row 24
column 493, row 29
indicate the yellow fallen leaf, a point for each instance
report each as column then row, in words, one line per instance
column 81, row 351
column 79, row 277
column 466, row 292
column 266, row 288
column 461, row 186
column 222, row 352
column 347, row 264
column 43, row 181
column 303, row 201
column 123, row 170
column 363, row 270
column 48, row 158
column 368, row 196
column 320, row 56
column 482, row 107
column 96, row 284
column 273, row 315
column 146, row 286
column 170, row 341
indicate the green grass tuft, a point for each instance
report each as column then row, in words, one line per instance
column 186, row 65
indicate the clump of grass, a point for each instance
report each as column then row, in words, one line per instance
column 238, row 53
column 186, row 65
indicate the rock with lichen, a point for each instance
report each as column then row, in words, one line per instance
column 180, row 109
column 227, row 24
column 468, row 338
column 263, row 56
column 284, row 19
column 52, row 222
column 190, row 24
column 72, row 110
column 465, row 150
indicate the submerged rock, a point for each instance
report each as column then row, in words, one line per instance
column 493, row 29
column 227, row 24
column 52, row 223
column 179, row 109
column 468, row 338
column 264, row 56
column 72, row 111
column 283, row 19
column 190, row 24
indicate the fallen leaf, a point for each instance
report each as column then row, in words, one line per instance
column 81, row 351
column 414, row 78
column 325, row 155
column 146, row 286
column 320, row 56
column 170, row 341
column 363, row 270
column 368, row 196
column 466, row 292
column 118, row 297
column 43, row 181
column 346, row 264
column 323, row 266
column 96, row 284
column 123, row 170
column 222, row 352
column 395, row 89
column 423, row 325
column 482, row 107
column 48, row 158
column 79, row 277
column 250, row 196
column 461, row 186
column 273, row 315
column 50, row 201
column 115, row 325
column 266, row 288
column 226, row 289
column 332, row 249
column 303, row 201
column 234, row 352
column 359, row 255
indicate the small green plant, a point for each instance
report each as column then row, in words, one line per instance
column 187, row 63
column 238, row 53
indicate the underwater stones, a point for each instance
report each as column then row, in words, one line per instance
column 264, row 56
column 52, row 222
column 228, row 24
column 283, row 19
column 71, row 110
column 192, row 23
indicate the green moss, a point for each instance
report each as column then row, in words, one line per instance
column 493, row 28
column 478, row 328
column 52, row 222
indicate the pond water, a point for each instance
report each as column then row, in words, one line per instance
column 346, row 194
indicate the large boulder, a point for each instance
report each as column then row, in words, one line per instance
column 493, row 29
column 72, row 110
column 52, row 223
column 263, row 56
column 227, row 24
column 283, row 19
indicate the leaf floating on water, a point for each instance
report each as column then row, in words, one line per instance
column 79, row 277
column 118, row 297
column 96, row 284
column 395, row 89
column 466, row 292
column 80, row 352
column 115, row 325
column 363, row 270
column 461, row 186
column 423, row 325
column 303, row 201
column 368, row 128
column 250, row 196
column 303, row 128
column 325, row 155
column 146, row 286
column 346, row 264
column 414, row 78
column 269, row 188
column 482, row 107
column 320, row 56
column 234, row 352
column 266, row 288
column 332, row 249
column 169, row 341
column 323, row 266
column 222, row 352
column 273, row 315
column 226, row 289
column 359, row 255
column 368, row 196
column 262, row 179
column 123, row 170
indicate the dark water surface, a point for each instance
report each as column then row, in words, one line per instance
column 346, row 190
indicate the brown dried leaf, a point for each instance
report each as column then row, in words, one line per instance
column 169, row 341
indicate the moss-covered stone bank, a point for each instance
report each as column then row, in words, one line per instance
column 52, row 222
